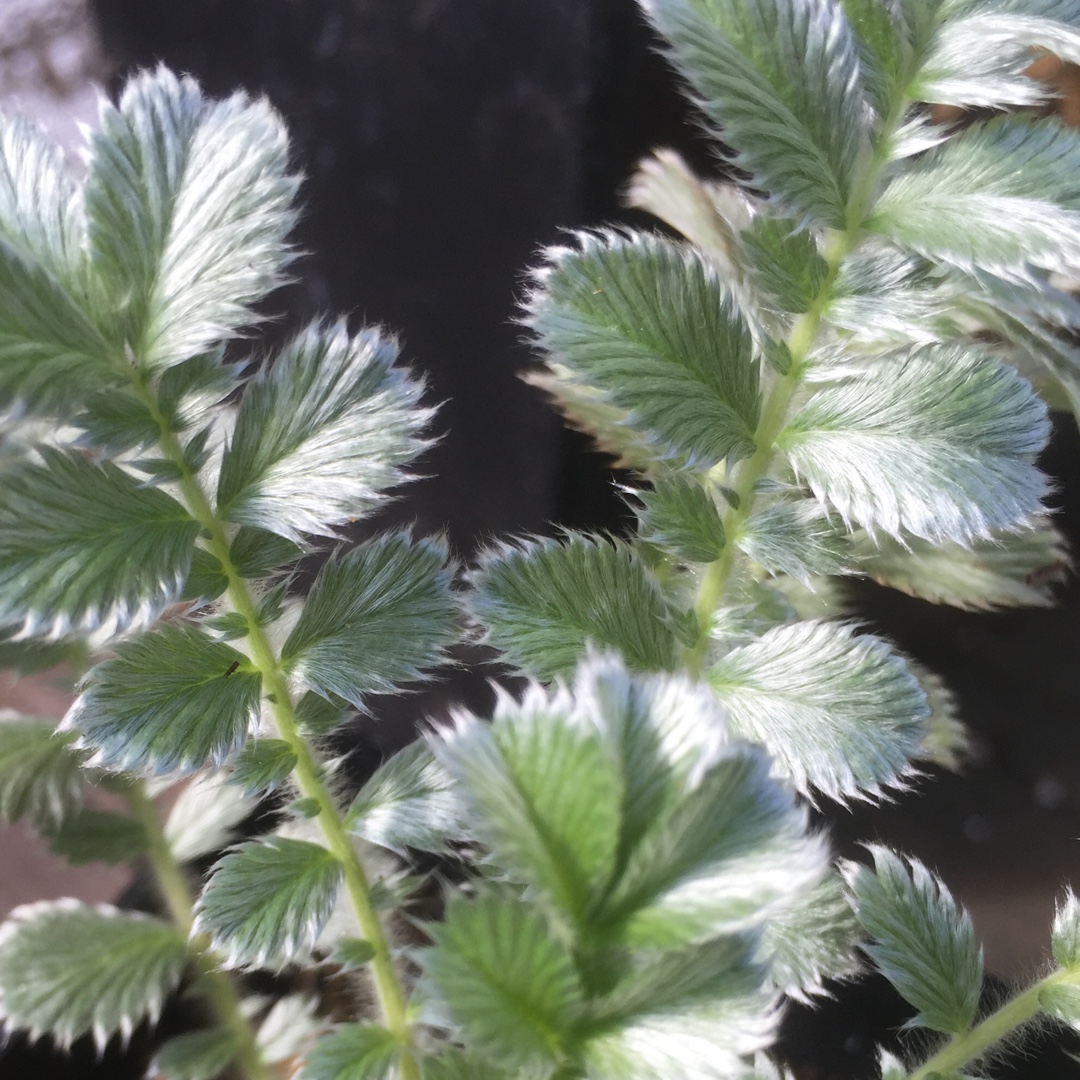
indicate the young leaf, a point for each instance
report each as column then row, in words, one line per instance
column 794, row 537
column 98, row 836
column 172, row 699
column 68, row 970
column 781, row 81
column 811, row 940
column 267, row 901
column 786, row 262
column 205, row 816
column 320, row 434
column 188, row 206
column 646, row 323
column 256, row 553
column 840, row 713
column 939, row 442
column 410, row 801
column 198, row 1055
column 375, row 617
column 1013, row 569
column 924, row 944
column 545, row 797
column 542, row 603
column 353, row 1052
column 892, row 38
column 1066, row 933
column 41, row 775
column 679, row 516
column 507, row 981
column 86, row 548
column 998, row 197
column 262, row 765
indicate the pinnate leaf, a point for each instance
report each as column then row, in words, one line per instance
column 320, row 434
column 86, row 549
column 939, row 443
column 40, row 772
column 542, row 603
column 171, row 699
column 267, row 901
column 840, row 713
column 377, row 616
column 410, row 801
column 781, row 81
column 647, row 324
column 508, row 982
column 924, row 944
column 67, row 969
column 188, row 204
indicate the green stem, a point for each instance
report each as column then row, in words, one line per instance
column 307, row 772
column 215, row 983
column 973, row 1044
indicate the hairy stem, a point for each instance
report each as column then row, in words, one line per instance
column 215, row 983
column 973, row 1044
column 307, row 772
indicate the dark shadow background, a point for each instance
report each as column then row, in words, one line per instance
column 444, row 142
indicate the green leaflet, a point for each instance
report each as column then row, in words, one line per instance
column 1066, row 932
column 353, row 1052
column 841, row 714
column 785, row 261
column 508, row 981
column 646, row 323
column 198, row 1055
column 939, row 442
column 86, row 549
column 68, row 970
column 1013, row 569
column 321, row 433
column 205, row 815
column 924, row 944
column 780, row 79
column 997, row 197
column 98, row 836
column 267, row 901
column 257, row 554
column 409, row 801
column 262, row 765
column 811, row 940
column 187, row 206
column 40, row 773
column 171, row 699
column 795, row 537
column 379, row 615
column 679, row 516
column 542, row 603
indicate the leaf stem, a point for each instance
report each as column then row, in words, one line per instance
column 973, row 1044
column 216, row 984
column 306, row 772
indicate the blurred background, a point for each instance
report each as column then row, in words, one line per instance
column 443, row 143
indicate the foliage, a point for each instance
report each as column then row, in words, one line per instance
column 827, row 374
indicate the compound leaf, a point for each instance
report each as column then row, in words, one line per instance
column 353, row 1052
column 40, row 772
column 320, row 433
column 924, row 944
column 377, row 616
column 86, row 549
column 198, row 1055
column 646, row 323
column 171, row 699
column 939, row 443
column 268, row 900
column 781, row 81
column 507, row 981
column 997, row 197
column 1012, row 569
column 840, row 713
column 410, row 801
column 542, row 603
column 188, row 205
column 67, row 969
